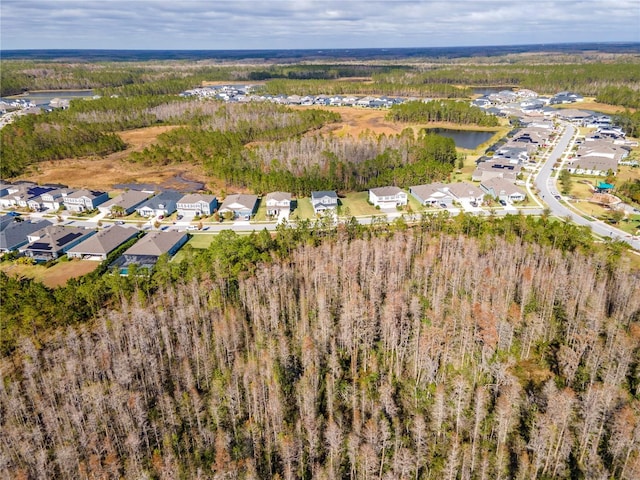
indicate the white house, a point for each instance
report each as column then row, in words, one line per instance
column 503, row 190
column 463, row 191
column 432, row 194
column 197, row 204
column 324, row 200
column 387, row 197
column 278, row 203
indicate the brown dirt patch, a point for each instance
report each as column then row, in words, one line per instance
column 591, row 104
column 101, row 173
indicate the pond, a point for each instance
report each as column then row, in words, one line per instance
column 469, row 139
column 42, row 98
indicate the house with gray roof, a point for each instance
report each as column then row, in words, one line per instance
column 466, row 192
column 163, row 204
column 503, row 169
column 146, row 252
column 503, row 190
column 127, row 201
column 54, row 199
column 593, row 165
column 197, row 204
column 432, row 194
column 100, row 245
column 84, row 200
column 241, row 205
column 324, row 200
column 13, row 234
column 53, row 241
column 388, row 197
column 277, row 203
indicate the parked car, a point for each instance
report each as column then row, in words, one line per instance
column 503, row 203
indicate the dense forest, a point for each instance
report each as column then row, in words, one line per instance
column 87, row 127
column 616, row 80
column 442, row 111
column 388, row 353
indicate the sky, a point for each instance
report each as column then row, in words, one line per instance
column 314, row 24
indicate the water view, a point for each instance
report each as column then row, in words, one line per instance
column 469, row 139
column 43, row 98
column 490, row 90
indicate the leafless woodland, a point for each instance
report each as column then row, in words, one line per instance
column 410, row 357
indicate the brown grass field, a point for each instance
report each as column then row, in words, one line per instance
column 54, row 276
column 590, row 104
column 102, row 173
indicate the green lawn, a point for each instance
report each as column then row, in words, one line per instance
column 304, row 210
column 261, row 214
column 355, row 205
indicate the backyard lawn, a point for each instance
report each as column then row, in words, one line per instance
column 54, row 276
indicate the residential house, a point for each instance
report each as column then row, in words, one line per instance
column 146, row 252
column 100, row 245
column 486, row 170
column 324, row 200
column 432, row 194
column 20, row 194
column 197, row 204
column 593, row 165
column 162, row 205
column 125, row 203
column 84, row 200
column 503, row 190
column 466, row 192
column 278, row 203
column 388, row 197
column 54, row 199
column 240, row 205
column 13, row 234
column 53, row 241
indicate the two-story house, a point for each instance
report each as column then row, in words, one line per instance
column 324, row 200
column 387, row 197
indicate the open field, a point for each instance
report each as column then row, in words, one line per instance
column 589, row 103
column 102, row 173
column 54, row 276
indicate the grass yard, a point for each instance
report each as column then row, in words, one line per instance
column 54, row 276
column 356, row 205
column 304, row 210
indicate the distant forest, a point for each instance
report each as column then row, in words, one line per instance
column 457, row 349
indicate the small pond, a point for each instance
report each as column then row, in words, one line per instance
column 469, row 139
column 43, row 98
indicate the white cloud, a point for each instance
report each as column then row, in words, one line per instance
column 239, row 24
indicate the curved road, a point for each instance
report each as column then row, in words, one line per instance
column 547, row 187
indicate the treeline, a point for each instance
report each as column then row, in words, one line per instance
column 86, row 128
column 124, row 78
column 320, row 87
column 411, row 354
column 321, row 72
column 629, row 121
column 584, row 78
column 631, row 190
column 30, row 140
column 441, row 111
column 623, row 96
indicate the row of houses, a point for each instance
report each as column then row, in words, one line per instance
column 145, row 203
column 247, row 93
column 443, row 195
column 44, row 241
column 597, row 157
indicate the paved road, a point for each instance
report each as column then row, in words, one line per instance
column 548, row 191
